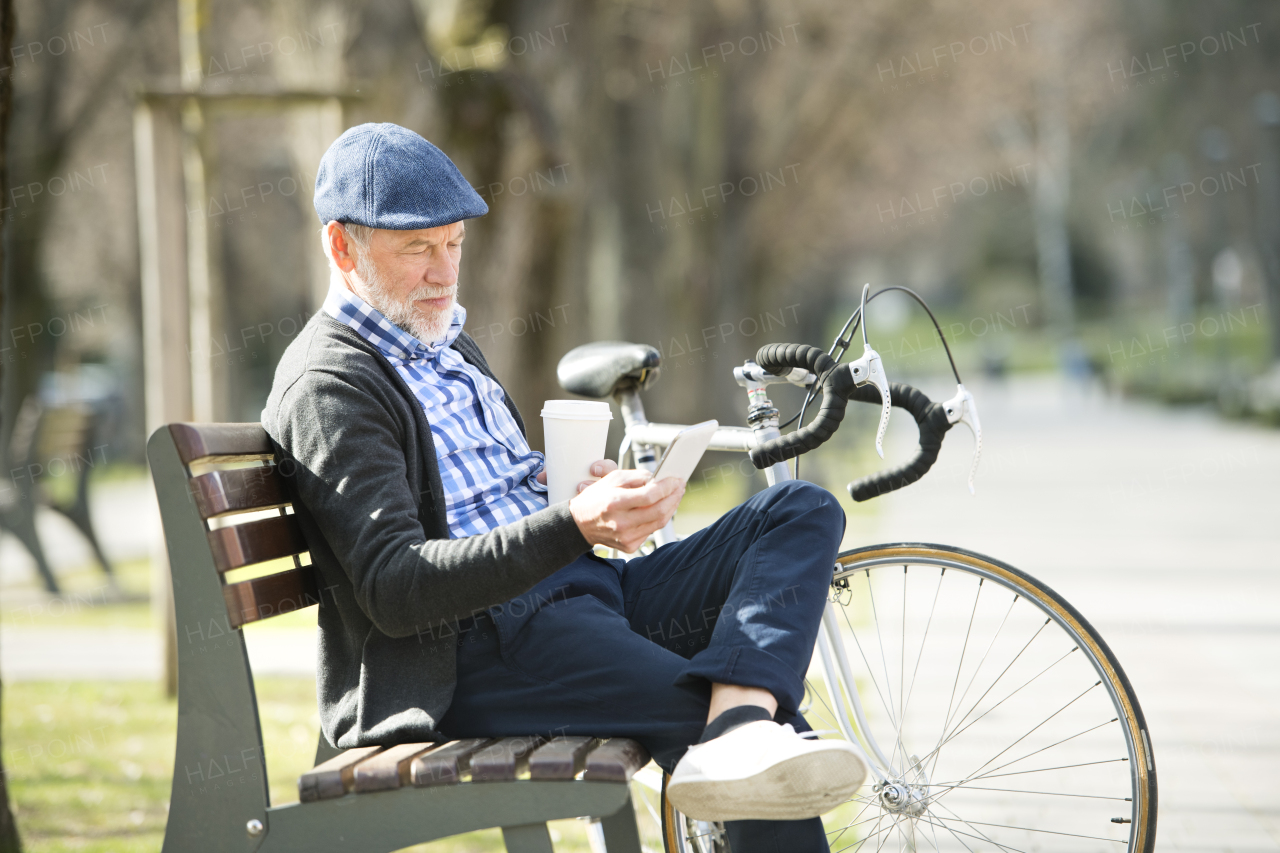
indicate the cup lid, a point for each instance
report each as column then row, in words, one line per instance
column 577, row 410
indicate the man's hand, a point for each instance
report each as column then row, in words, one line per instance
column 622, row 508
column 599, row 468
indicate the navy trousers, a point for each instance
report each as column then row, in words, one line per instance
column 616, row 648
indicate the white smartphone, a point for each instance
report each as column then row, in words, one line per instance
column 684, row 451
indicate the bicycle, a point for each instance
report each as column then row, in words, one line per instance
column 955, row 759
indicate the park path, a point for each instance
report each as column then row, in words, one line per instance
column 1161, row 526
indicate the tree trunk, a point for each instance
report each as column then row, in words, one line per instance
column 1267, row 113
column 9, row 841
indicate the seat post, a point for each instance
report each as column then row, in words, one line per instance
column 632, row 408
column 633, row 415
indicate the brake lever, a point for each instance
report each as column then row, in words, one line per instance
column 962, row 409
column 869, row 368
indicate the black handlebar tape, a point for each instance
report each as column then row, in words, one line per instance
column 778, row 359
column 930, row 417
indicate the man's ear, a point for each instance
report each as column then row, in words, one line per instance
column 339, row 246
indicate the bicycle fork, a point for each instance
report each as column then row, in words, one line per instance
column 834, row 660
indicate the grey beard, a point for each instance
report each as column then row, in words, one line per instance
column 426, row 327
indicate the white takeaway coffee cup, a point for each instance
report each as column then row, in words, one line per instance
column 575, row 435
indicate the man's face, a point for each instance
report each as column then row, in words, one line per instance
column 412, row 277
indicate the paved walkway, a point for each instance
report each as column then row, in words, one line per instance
column 1162, row 527
column 128, row 524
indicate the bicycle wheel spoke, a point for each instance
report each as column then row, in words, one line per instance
column 1021, row 791
column 835, row 723
column 982, row 661
column 1037, row 770
column 957, row 733
column 1037, row 726
column 887, row 833
column 1024, row 733
column 879, row 820
column 855, row 822
column 1052, row 745
column 975, row 829
column 1032, row 829
column 993, row 684
column 875, row 617
column 959, row 668
column 925, row 639
column 870, row 674
column 935, row 824
column 902, row 672
column 1037, row 752
column 981, row 836
column 933, row 830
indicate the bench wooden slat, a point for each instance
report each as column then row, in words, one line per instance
column 561, row 758
column 388, row 769
column 445, row 766
column 219, row 493
column 220, row 442
column 64, row 431
column 333, row 778
column 500, row 762
column 615, row 760
column 261, row 598
column 242, row 545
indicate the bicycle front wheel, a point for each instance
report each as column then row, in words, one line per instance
column 998, row 717
column 683, row 834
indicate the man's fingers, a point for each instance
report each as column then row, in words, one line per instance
column 647, row 495
column 644, row 522
column 601, row 467
column 627, row 477
column 652, row 516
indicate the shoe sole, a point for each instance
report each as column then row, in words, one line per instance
column 801, row 787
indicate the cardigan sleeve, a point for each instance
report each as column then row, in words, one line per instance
column 345, row 452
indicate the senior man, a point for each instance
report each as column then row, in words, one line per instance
column 463, row 605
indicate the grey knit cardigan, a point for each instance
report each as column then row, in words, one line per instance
column 357, row 450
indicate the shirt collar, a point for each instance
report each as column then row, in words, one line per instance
column 370, row 323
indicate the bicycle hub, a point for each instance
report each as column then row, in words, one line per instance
column 903, row 799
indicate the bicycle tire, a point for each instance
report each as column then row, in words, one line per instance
column 681, row 834
column 1088, row 760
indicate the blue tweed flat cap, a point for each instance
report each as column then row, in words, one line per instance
column 386, row 176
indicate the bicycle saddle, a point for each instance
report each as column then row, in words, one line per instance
column 604, row 368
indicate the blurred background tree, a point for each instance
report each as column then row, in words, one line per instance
column 1088, row 188
column 9, row 841
column 705, row 179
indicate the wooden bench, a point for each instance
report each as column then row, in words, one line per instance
column 225, row 507
column 50, row 440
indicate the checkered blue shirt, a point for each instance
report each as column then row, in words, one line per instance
column 486, row 465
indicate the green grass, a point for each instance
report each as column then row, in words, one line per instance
column 62, row 487
column 90, row 764
column 87, row 600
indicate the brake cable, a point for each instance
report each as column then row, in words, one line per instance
column 842, row 343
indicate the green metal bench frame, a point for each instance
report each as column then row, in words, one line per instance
column 220, row 799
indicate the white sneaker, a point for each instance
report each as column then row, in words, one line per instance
column 764, row 771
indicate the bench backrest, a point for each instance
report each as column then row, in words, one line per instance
column 241, row 496
column 51, row 440
column 224, row 507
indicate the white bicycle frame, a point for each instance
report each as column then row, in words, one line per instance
column 643, row 441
